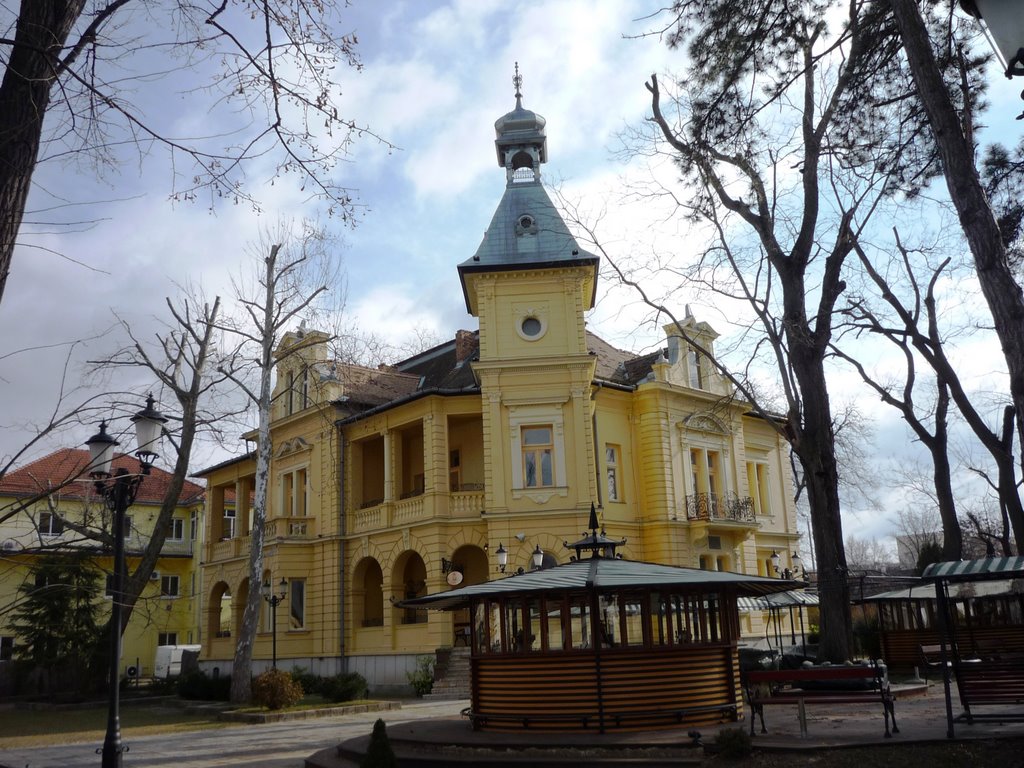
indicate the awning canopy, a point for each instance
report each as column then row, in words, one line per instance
column 604, row 575
column 777, row 600
column 982, row 569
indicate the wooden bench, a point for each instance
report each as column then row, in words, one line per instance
column 991, row 682
column 819, row 685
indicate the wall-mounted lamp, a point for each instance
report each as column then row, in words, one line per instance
column 502, row 554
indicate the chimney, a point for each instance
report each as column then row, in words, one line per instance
column 465, row 345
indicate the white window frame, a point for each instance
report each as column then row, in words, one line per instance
column 48, row 521
column 294, row 492
column 537, row 452
column 167, row 582
column 193, row 525
column 229, row 525
column 613, row 471
column 177, row 532
column 167, row 638
column 759, row 486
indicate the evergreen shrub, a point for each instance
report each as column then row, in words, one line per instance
column 345, row 687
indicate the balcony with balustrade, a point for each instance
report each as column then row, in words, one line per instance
column 714, row 509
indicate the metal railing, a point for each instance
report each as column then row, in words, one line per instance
column 720, row 507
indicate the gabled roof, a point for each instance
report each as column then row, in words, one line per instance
column 65, row 471
column 446, row 369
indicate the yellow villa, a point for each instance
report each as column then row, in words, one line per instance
column 395, row 483
column 58, row 495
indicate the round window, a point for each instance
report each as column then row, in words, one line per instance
column 525, row 222
column 531, row 327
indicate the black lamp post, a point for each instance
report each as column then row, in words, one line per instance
column 274, row 597
column 787, row 573
column 118, row 492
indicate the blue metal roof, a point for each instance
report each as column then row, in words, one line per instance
column 508, row 244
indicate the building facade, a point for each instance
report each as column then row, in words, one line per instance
column 54, row 496
column 395, row 483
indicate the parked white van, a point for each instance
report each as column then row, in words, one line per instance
column 168, row 660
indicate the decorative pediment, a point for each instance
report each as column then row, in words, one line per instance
column 288, row 447
column 705, row 422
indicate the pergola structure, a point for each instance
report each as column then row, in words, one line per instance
column 604, row 644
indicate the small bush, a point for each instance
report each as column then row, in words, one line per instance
column 733, row 743
column 275, row 689
column 346, row 687
column 199, row 686
column 310, row 683
column 422, row 678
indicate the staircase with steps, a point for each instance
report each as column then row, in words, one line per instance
column 451, row 675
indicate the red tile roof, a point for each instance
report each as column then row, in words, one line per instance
column 67, row 466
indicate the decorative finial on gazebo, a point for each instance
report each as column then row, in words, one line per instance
column 596, row 542
column 517, row 81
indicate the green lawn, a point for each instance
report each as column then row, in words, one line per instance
column 26, row 728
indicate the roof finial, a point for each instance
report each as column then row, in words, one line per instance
column 517, row 81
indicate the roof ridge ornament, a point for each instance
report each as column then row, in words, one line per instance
column 517, row 81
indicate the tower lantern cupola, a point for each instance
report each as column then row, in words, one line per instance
column 520, row 141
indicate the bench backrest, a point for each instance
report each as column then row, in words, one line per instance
column 817, row 673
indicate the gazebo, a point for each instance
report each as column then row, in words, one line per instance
column 981, row 641
column 604, row 644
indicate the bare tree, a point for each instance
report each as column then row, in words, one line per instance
column 294, row 274
column 184, row 362
column 790, row 127
column 952, row 121
column 268, row 72
column 916, row 324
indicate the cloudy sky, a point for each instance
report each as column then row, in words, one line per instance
column 436, row 76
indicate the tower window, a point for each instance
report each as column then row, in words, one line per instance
column 537, row 446
column 531, row 327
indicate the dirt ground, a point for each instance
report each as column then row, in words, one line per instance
column 1001, row 753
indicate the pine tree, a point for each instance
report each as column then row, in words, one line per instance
column 378, row 752
column 55, row 622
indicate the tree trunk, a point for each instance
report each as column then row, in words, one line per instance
column 41, row 32
column 815, row 447
column 952, row 536
column 241, row 670
column 1001, row 291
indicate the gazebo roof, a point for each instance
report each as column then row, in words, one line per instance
column 603, row 574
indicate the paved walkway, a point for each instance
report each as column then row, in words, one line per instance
column 921, row 718
column 271, row 745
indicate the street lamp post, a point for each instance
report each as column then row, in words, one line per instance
column 119, row 491
column 274, row 598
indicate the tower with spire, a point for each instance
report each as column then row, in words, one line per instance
column 530, row 284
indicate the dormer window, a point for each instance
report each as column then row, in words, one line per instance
column 695, row 363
